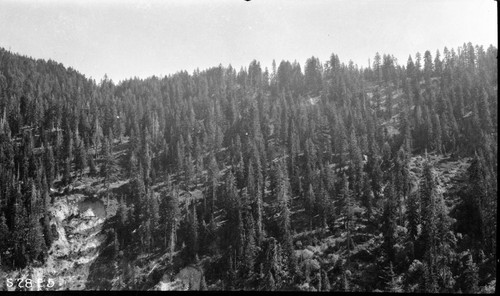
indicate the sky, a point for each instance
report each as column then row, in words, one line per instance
column 132, row 38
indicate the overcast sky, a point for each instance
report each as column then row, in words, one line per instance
column 142, row 38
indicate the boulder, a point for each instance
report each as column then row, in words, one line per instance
column 312, row 264
column 304, row 254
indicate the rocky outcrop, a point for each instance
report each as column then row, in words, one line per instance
column 77, row 222
column 190, row 278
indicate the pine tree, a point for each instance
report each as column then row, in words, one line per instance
column 389, row 219
column 36, row 240
column 5, row 234
column 173, row 222
column 240, row 237
column 367, row 197
column 47, row 231
column 139, row 196
column 123, row 221
column 180, row 153
column 413, row 216
column 67, row 172
column 165, row 155
column 428, row 197
column 437, row 139
column 145, row 158
column 213, row 174
column 259, row 216
column 80, row 154
column 92, row 166
column 309, row 205
column 323, row 206
column 250, row 247
column 325, row 281
column 108, row 162
column 356, row 165
column 67, row 152
column 347, row 205
column 470, row 276
column 145, row 234
column 192, row 243
column 116, row 245
column 375, row 171
column 188, row 171
column 153, row 210
column 97, row 133
column 270, row 284
column 428, row 68
column 49, row 165
column 283, row 197
column 388, row 103
column 393, row 285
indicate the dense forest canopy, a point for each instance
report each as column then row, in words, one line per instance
column 282, row 156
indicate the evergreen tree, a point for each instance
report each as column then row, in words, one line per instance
column 346, row 207
column 471, row 276
column 367, row 197
column 250, row 247
column 389, row 219
column 428, row 196
column 393, row 285
column 92, row 166
column 325, row 281
column 438, row 144
column 80, row 154
column 413, row 216
column 49, row 165
column 309, row 205
column 108, row 161
column 5, row 234
column 192, row 242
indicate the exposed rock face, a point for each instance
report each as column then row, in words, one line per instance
column 92, row 207
column 77, row 222
column 190, row 278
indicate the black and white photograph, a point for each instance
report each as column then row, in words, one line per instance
column 249, row 145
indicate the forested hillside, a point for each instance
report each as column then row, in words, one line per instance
column 326, row 177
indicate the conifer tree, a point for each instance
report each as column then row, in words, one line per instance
column 122, row 215
column 367, row 197
column 346, row 207
column 192, row 243
column 139, row 195
column 154, row 217
column 413, row 216
column 428, row 197
column 172, row 220
column 5, row 234
column 259, row 216
column 213, row 174
column 108, row 161
column 250, row 247
column 92, row 166
column 188, row 171
column 471, row 276
column 325, row 281
column 180, row 153
column 437, row 137
column 35, row 238
column 389, row 219
column 393, row 286
column 309, row 205
column 49, row 165
column 356, row 165
column 283, row 197
column 80, row 154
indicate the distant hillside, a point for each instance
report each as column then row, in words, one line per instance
column 334, row 178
